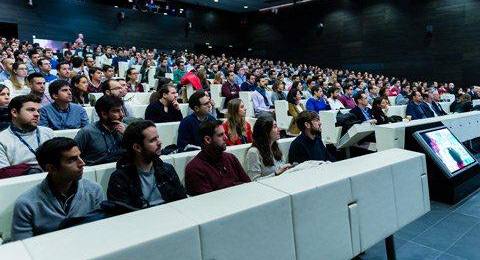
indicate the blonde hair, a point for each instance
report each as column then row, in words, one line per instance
column 234, row 120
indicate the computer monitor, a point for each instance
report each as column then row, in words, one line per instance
column 445, row 150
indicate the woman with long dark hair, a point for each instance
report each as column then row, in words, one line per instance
column 131, row 79
column 380, row 105
column 295, row 107
column 264, row 158
column 80, row 95
column 237, row 129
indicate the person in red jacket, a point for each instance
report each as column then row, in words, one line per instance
column 213, row 169
column 191, row 78
column 237, row 130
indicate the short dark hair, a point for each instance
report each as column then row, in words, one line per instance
column 50, row 152
column 358, row 96
column 106, row 85
column 106, row 103
column 164, row 89
column 304, row 117
column 40, row 61
column 107, row 67
column 62, row 63
column 18, row 101
column 34, row 75
column 208, row 128
column 292, row 94
column 77, row 61
column 134, row 134
column 315, row 89
column 56, row 85
column 32, row 52
column 92, row 70
column 194, row 100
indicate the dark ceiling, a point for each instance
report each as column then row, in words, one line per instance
column 238, row 5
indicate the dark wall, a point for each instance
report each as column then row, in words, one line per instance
column 62, row 20
column 386, row 36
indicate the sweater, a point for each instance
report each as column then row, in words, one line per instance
column 188, row 131
column 317, row 105
column 256, row 170
column 305, row 149
column 13, row 151
column 73, row 118
column 38, row 211
column 98, row 145
column 156, row 112
column 207, row 172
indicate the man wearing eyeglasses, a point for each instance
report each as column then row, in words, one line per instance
column 361, row 111
column 200, row 103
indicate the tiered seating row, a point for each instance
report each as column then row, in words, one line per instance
column 11, row 188
column 334, row 211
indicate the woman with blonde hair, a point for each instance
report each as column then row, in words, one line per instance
column 219, row 78
column 237, row 129
column 18, row 80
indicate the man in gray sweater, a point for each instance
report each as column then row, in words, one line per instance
column 61, row 195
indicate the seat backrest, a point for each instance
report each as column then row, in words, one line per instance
column 122, row 68
column 246, row 97
column 216, row 94
column 281, row 114
column 180, row 161
column 139, row 111
column 328, row 118
column 168, row 133
column 70, row 133
column 169, row 75
column 151, row 77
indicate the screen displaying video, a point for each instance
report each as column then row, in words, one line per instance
column 448, row 150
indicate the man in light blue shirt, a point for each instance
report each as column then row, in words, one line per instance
column 240, row 77
column 45, row 68
column 261, row 103
column 7, row 69
column 62, row 113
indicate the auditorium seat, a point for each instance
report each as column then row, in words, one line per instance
column 14, row 250
column 122, row 68
column 12, row 188
column 249, row 221
column 281, row 114
column 180, row 161
column 103, row 173
column 151, row 78
column 168, row 133
column 139, row 111
column 246, row 97
column 169, row 75
column 155, row 233
column 216, row 95
column 69, row 133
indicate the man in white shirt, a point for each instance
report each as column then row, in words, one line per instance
column 333, row 99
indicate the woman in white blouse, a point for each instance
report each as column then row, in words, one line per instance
column 17, row 82
column 264, row 158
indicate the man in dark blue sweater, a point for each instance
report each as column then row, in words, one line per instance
column 308, row 145
column 199, row 102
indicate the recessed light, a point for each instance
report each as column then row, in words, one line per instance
column 116, row 6
column 209, row 47
column 216, row 1
column 207, row 43
column 164, row 13
column 245, row 6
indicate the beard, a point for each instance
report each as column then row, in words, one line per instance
column 150, row 156
column 316, row 132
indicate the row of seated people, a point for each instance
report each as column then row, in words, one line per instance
column 141, row 178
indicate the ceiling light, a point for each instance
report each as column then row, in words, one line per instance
column 130, row 1
column 116, row 6
column 164, row 13
column 245, row 6
column 207, row 43
column 209, row 47
column 216, row 1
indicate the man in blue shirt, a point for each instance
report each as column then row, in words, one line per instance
column 361, row 111
column 317, row 102
column 250, row 84
column 62, row 113
column 199, row 102
column 45, row 68
column 32, row 64
column 240, row 77
column 7, row 69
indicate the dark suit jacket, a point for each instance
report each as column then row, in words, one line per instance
column 415, row 111
column 438, row 109
column 359, row 114
column 427, row 110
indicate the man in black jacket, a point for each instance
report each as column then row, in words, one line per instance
column 361, row 111
column 142, row 179
column 166, row 108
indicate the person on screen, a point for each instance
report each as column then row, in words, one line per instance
column 61, row 195
column 456, row 157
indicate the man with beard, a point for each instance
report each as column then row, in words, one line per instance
column 333, row 99
column 61, row 195
column 19, row 142
column 100, row 141
column 213, row 169
column 308, row 145
column 142, row 179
